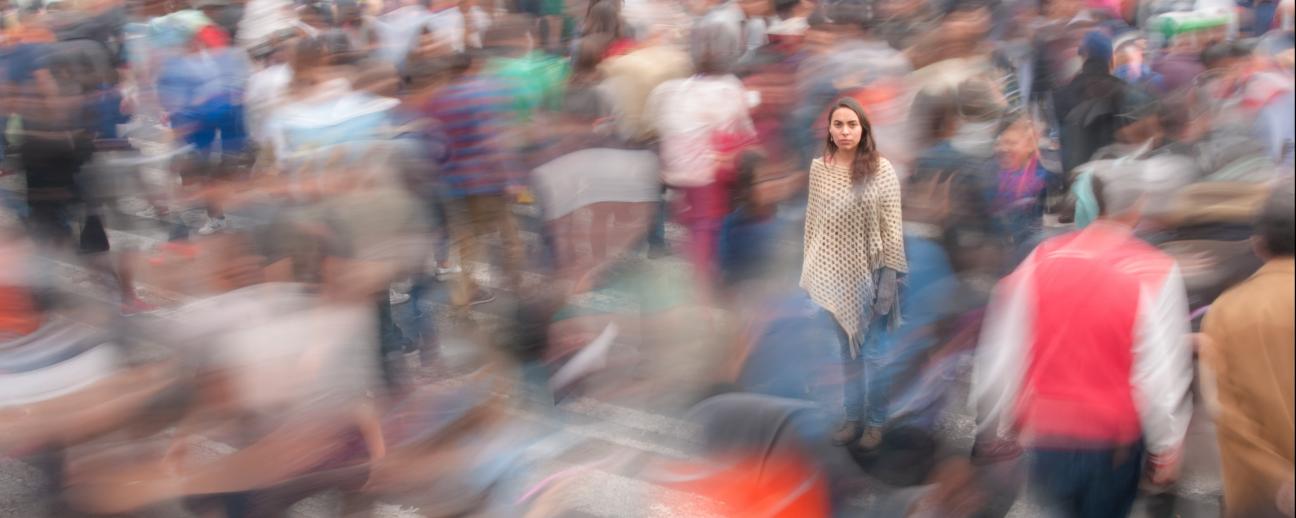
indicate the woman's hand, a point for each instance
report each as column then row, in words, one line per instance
column 886, row 293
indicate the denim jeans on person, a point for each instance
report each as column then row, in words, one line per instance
column 1086, row 483
column 871, row 376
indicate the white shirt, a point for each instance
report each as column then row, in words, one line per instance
column 688, row 114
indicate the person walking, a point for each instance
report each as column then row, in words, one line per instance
column 854, row 252
column 1248, row 349
column 1084, row 358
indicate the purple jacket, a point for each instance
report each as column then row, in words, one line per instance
column 1177, row 70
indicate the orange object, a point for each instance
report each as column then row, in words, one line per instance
column 784, row 487
column 18, row 314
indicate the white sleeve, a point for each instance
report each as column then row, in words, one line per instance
column 1000, row 361
column 1162, row 372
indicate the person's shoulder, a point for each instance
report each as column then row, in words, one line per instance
column 884, row 166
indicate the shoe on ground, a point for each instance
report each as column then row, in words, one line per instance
column 846, row 433
column 483, row 297
column 213, row 226
column 397, row 297
column 871, row 438
column 442, row 273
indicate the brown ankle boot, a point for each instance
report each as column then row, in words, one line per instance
column 871, row 438
column 846, row 433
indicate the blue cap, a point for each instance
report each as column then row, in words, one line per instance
column 1096, row 45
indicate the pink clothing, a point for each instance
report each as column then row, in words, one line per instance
column 1086, row 344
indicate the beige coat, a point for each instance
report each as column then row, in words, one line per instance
column 1250, row 354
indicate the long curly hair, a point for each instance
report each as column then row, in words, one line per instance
column 866, row 155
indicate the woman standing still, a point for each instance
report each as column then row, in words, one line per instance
column 854, row 255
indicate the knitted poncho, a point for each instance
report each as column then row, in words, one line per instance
column 850, row 233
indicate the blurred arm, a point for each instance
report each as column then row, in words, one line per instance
column 1163, row 365
column 1000, row 361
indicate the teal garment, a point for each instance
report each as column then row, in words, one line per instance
column 1086, row 207
column 537, row 80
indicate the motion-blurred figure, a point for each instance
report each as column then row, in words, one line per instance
column 1085, row 359
column 1248, row 349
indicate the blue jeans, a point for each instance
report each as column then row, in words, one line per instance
column 871, row 376
column 1086, row 483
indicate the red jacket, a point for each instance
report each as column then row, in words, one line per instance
column 1086, row 344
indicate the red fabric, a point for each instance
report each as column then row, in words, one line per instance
column 212, row 37
column 1077, row 388
column 619, row 47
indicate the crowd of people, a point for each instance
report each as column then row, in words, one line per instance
column 966, row 258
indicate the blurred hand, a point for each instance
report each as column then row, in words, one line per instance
column 886, row 293
column 1287, row 498
column 1163, row 468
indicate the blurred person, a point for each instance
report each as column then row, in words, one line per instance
column 1084, row 358
column 224, row 13
column 201, row 89
column 1129, row 63
column 325, row 128
column 628, row 80
column 534, row 76
column 267, row 89
column 1019, row 194
column 953, row 54
column 1180, row 63
column 1086, row 107
column 967, row 118
column 764, row 73
column 603, row 21
column 750, row 228
column 50, row 84
column 702, row 122
column 854, row 206
column 574, row 184
column 399, row 26
column 1248, row 352
column 284, row 366
column 262, row 20
column 547, row 16
column 626, row 85
column 746, row 19
column 358, row 26
column 481, row 175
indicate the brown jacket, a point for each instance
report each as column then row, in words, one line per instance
column 1250, row 351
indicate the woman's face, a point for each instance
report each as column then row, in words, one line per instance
column 845, row 129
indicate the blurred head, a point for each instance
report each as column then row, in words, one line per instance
column 967, row 22
column 604, row 18
column 1017, row 142
column 714, row 48
column 979, row 101
column 1120, row 197
column 849, row 131
column 1130, row 50
column 1276, row 224
column 1096, row 49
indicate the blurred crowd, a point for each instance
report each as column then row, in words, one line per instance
column 795, row 258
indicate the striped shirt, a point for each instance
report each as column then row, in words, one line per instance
column 475, row 116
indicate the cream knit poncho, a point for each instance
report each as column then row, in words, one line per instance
column 851, row 233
